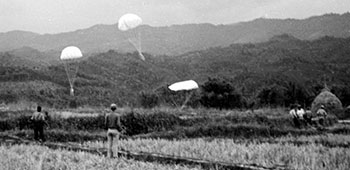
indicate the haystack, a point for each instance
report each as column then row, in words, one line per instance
column 329, row 100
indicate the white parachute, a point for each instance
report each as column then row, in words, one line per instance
column 184, row 85
column 128, row 24
column 187, row 85
column 70, row 56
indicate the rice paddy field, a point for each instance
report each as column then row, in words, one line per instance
column 306, row 148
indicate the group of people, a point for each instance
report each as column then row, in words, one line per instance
column 305, row 118
column 112, row 125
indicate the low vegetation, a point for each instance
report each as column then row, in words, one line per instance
column 38, row 157
column 265, row 137
column 174, row 124
column 309, row 156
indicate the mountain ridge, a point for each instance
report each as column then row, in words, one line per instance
column 179, row 39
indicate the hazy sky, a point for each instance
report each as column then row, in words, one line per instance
column 53, row 16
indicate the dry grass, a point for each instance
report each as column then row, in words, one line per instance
column 32, row 157
column 311, row 156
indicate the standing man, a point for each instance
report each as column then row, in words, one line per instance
column 301, row 114
column 295, row 115
column 321, row 116
column 113, row 127
column 38, row 119
column 308, row 117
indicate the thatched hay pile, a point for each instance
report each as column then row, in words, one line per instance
column 329, row 100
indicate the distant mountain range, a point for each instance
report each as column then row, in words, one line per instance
column 179, row 39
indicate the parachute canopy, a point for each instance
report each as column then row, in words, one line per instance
column 184, row 85
column 129, row 21
column 71, row 52
column 70, row 57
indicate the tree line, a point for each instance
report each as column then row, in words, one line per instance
column 223, row 93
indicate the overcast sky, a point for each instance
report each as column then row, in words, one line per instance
column 53, row 16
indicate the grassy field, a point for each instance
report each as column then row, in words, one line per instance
column 34, row 157
column 264, row 137
column 307, row 156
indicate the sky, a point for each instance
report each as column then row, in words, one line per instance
column 55, row 16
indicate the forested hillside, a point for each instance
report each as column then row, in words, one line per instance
column 280, row 71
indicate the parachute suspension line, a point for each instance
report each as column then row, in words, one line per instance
column 174, row 102
column 71, row 78
column 140, row 47
column 128, row 23
column 135, row 39
column 130, row 35
column 137, row 45
column 67, row 72
column 74, row 78
column 188, row 97
column 139, row 41
column 69, row 56
column 75, row 73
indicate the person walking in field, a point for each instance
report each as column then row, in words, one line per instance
column 39, row 121
column 113, row 127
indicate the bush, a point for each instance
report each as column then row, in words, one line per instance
column 78, row 123
column 148, row 100
column 64, row 136
column 137, row 123
column 220, row 94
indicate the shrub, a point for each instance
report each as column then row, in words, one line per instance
column 148, row 100
column 137, row 123
column 220, row 94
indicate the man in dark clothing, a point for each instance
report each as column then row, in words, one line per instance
column 294, row 113
column 308, row 117
column 321, row 116
column 113, row 127
column 38, row 119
